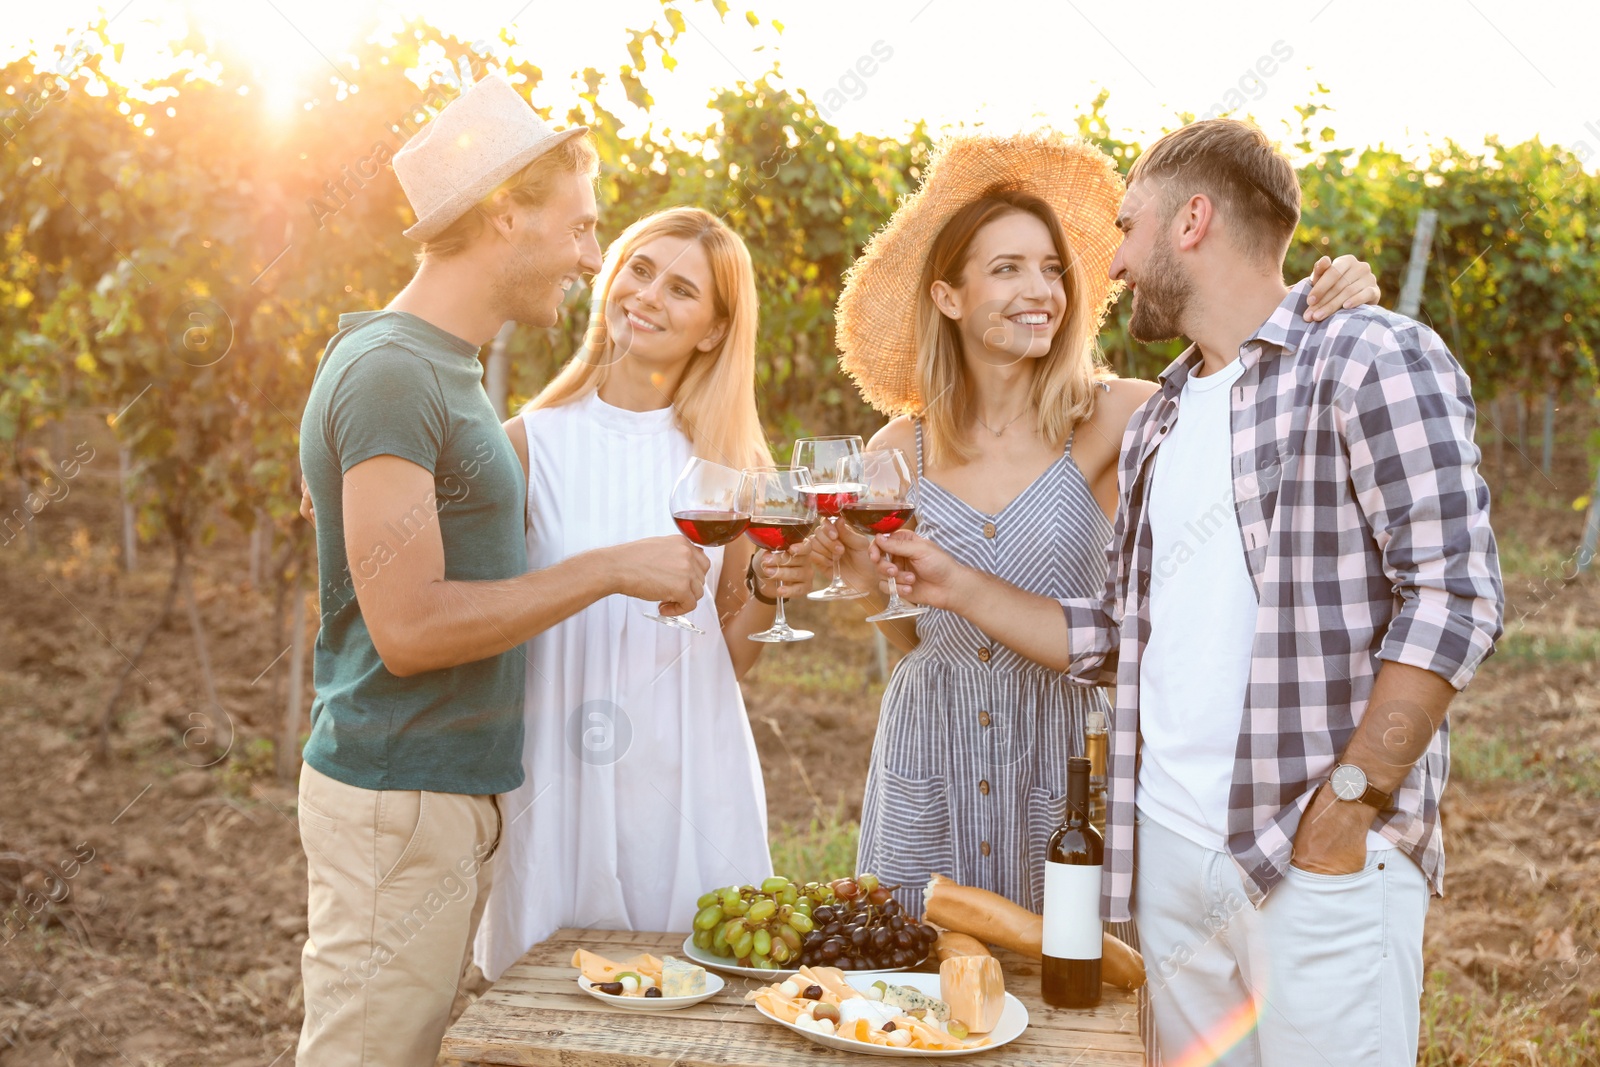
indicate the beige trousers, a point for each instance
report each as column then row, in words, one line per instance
column 398, row 881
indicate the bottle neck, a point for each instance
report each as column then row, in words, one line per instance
column 1078, row 793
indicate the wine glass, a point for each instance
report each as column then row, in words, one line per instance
column 887, row 500
column 781, row 515
column 835, row 466
column 705, row 508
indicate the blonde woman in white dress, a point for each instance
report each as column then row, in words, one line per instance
column 643, row 786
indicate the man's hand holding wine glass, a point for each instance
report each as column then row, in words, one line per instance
column 924, row 573
column 666, row 569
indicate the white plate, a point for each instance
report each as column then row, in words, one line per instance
column 714, row 986
column 1013, row 1019
column 726, row 965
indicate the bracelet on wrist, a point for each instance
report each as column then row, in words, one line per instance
column 752, row 581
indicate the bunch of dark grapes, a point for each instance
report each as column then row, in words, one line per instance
column 864, row 929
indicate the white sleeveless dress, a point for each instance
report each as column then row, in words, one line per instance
column 643, row 785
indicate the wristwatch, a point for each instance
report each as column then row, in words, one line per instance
column 750, row 581
column 1349, row 782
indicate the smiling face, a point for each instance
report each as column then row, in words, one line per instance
column 1162, row 291
column 662, row 305
column 1011, row 297
column 547, row 249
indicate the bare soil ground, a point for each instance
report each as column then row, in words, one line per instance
column 154, row 904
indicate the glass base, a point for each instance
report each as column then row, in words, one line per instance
column 904, row 611
column 836, row 590
column 676, row 621
column 780, row 634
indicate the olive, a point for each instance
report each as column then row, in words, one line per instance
column 612, row 988
column 812, row 992
column 653, row 991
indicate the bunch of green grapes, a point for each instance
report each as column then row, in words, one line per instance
column 759, row 926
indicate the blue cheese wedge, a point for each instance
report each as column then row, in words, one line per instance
column 907, row 999
column 681, row 979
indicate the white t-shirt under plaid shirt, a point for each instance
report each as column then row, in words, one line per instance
column 1365, row 530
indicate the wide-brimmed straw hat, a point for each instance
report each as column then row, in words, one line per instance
column 877, row 312
column 481, row 138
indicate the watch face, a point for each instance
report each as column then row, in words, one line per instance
column 1349, row 783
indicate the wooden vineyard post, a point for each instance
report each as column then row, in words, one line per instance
column 197, row 627
column 289, row 739
column 1417, row 269
column 130, row 529
column 1549, row 430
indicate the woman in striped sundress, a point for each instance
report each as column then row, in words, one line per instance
column 976, row 309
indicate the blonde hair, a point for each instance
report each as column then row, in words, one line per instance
column 1063, row 390
column 715, row 402
column 531, row 187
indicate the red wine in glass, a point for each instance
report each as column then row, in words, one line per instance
column 835, row 465
column 710, row 528
column 778, row 533
column 873, row 519
column 831, row 499
column 782, row 515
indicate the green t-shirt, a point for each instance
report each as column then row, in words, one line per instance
column 391, row 384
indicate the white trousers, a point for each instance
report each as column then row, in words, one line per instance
column 1328, row 971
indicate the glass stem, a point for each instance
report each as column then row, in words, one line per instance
column 838, row 579
column 778, row 622
column 894, row 596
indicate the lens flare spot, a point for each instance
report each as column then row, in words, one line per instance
column 1210, row 1047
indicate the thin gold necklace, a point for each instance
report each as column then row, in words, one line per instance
column 1007, row 426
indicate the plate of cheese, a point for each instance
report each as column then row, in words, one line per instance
column 644, row 982
column 959, row 1011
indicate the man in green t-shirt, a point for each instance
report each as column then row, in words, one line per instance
column 425, row 600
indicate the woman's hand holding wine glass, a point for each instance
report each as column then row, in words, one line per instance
column 782, row 516
column 786, row 574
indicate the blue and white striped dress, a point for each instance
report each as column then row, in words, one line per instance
column 969, row 766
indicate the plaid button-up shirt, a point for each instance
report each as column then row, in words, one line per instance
column 1365, row 528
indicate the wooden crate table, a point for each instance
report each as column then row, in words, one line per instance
column 536, row 1014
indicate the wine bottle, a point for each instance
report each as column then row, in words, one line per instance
column 1072, row 901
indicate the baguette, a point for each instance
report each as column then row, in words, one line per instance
column 991, row 918
column 952, row 944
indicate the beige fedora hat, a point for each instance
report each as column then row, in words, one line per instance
column 877, row 313
column 481, row 138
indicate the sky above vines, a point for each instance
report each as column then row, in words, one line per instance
column 1408, row 74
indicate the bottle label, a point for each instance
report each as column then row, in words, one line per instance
column 1072, row 911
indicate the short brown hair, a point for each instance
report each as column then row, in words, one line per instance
column 530, row 186
column 1233, row 163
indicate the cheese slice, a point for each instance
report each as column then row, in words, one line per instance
column 908, row 999
column 975, row 991
column 681, row 979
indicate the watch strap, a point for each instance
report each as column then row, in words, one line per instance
column 1375, row 798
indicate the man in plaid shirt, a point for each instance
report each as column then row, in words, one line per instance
column 1302, row 575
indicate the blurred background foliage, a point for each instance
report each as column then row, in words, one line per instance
column 175, row 263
